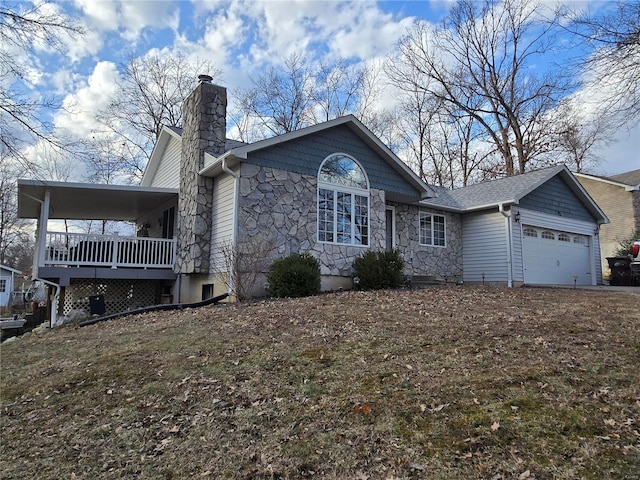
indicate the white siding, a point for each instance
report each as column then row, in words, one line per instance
column 484, row 247
column 224, row 203
column 6, row 291
column 168, row 173
column 564, row 224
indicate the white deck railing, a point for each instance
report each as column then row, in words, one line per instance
column 81, row 249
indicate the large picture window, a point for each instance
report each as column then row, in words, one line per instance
column 343, row 202
column 432, row 230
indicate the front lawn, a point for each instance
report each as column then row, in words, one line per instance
column 439, row 383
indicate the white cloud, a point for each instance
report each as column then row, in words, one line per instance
column 373, row 33
column 62, row 80
column 622, row 155
column 137, row 16
column 78, row 117
column 99, row 15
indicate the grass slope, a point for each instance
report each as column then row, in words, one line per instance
column 459, row 382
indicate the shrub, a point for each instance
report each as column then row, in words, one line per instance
column 381, row 269
column 625, row 245
column 297, row 275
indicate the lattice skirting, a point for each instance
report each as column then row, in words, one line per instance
column 119, row 295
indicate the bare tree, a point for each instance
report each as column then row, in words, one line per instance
column 150, row 94
column 439, row 141
column 301, row 94
column 477, row 63
column 282, row 99
column 338, row 90
column 22, row 27
column 13, row 234
column 577, row 138
column 614, row 64
column 380, row 119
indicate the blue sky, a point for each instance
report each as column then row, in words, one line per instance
column 242, row 38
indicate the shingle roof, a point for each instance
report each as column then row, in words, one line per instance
column 229, row 143
column 177, row 130
column 494, row 192
column 631, row 178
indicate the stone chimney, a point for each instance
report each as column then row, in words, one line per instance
column 203, row 129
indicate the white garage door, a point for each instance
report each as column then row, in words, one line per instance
column 552, row 257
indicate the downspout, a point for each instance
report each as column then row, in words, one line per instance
column 39, row 255
column 507, row 221
column 236, row 181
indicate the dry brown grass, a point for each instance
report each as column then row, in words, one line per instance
column 456, row 382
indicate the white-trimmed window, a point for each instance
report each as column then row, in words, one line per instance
column 530, row 232
column 343, row 201
column 432, row 229
column 548, row 235
column 3, row 285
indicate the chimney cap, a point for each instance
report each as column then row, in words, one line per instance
column 205, row 78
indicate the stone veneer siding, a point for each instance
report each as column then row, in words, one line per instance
column 441, row 262
column 282, row 206
column 204, row 128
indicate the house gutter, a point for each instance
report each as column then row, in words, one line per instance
column 507, row 222
column 236, row 189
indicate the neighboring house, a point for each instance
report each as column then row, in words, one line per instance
column 619, row 198
column 7, row 282
column 333, row 190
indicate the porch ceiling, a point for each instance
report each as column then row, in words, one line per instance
column 82, row 201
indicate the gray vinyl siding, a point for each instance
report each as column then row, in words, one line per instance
column 598, row 259
column 517, row 268
column 305, row 155
column 222, row 227
column 563, row 224
column 168, row 173
column 555, row 197
column 484, row 247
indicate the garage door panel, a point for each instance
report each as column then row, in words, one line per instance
column 555, row 258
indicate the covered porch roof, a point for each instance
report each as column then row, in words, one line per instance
column 86, row 201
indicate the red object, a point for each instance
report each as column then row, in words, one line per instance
column 634, row 250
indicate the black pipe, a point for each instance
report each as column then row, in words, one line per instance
column 156, row 308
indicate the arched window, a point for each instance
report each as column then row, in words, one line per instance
column 343, row 201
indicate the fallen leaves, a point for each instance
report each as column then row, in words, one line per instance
column 336, row 386
column 363, row 408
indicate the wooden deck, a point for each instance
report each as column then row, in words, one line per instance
column 112, row 251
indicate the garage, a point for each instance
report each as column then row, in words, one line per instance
column 537, row 228
column 555, row 257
